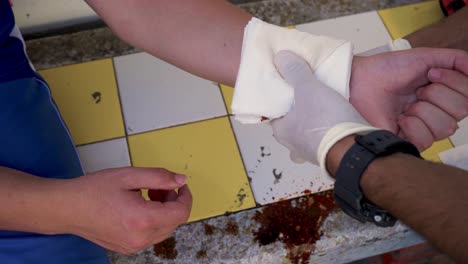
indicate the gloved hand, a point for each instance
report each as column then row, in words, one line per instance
column 319, row 117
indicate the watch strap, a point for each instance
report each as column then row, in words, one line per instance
column 348, row 193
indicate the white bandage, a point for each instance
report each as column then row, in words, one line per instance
column 261, row 92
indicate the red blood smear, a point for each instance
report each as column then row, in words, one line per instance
column 264, row 118
column 166, row 249
column 298, row 225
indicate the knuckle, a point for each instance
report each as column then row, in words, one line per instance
column 418, row 108
column 431, row 91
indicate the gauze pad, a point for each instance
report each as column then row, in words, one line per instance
column 260, row 92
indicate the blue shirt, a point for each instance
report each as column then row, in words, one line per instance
column 34, row 139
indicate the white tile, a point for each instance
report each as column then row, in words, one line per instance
column 365, row 30
column 461, row 136
column 264, row 157
column 104, row 155
column 33, row 16
column 457, row 157
column 156, row 94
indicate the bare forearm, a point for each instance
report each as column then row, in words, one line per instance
column 430, row 198
column 30, row 203
column 452, row 32
column 203, row 37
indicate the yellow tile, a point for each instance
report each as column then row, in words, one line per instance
column 432, row 153
column 207, row 153
column 403, row 20
column 86, row 95
column 227, row 92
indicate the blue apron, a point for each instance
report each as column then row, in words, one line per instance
column 34, row 139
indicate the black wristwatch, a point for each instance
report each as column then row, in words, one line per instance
column 348, row 194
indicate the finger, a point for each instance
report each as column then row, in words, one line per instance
column 174, row 212
column 450, row 78
column 416, row 132
column 450, row 101
column 296, row 158
column 439, row 122
column 294, row 69
column 151, row 178
column 441, row 58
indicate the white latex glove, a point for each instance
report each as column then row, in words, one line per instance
column 319, row 117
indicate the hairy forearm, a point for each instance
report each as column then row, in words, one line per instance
column 451, row 32
column 30, row 203
column 203, row 37
column 430, row 198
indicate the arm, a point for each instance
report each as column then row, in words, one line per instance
column 431, row 198
column 126, row 222
column 452, row 32
column 203, row 37
column 27, row 200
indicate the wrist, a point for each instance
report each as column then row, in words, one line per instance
column 336, row 153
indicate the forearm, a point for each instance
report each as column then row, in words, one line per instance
column 452, row 32
column 30, row 203
column 430, row 198
column 203, row 37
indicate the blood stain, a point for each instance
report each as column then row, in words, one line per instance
column 241, row 196
column 209, row 229
column 297, row 227
column 201, row 254
column 264, row 118
column 166, row 249
column 232, row 228
column 97, row 97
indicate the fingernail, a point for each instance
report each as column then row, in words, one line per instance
column 434, row 74
column 180, row 179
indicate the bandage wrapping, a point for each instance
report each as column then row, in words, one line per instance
column 260, row 92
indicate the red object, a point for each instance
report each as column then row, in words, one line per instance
column 451, row 6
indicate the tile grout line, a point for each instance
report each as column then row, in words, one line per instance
column 98, row 141
column 238, row 148
column 122, row 112
column 385, row 24
column 178, row 125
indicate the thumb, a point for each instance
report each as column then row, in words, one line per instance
column 294, row 69
column 152, row 178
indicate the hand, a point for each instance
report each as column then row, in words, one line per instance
column 316, row 110
column 109, row 210
column 401, row 92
